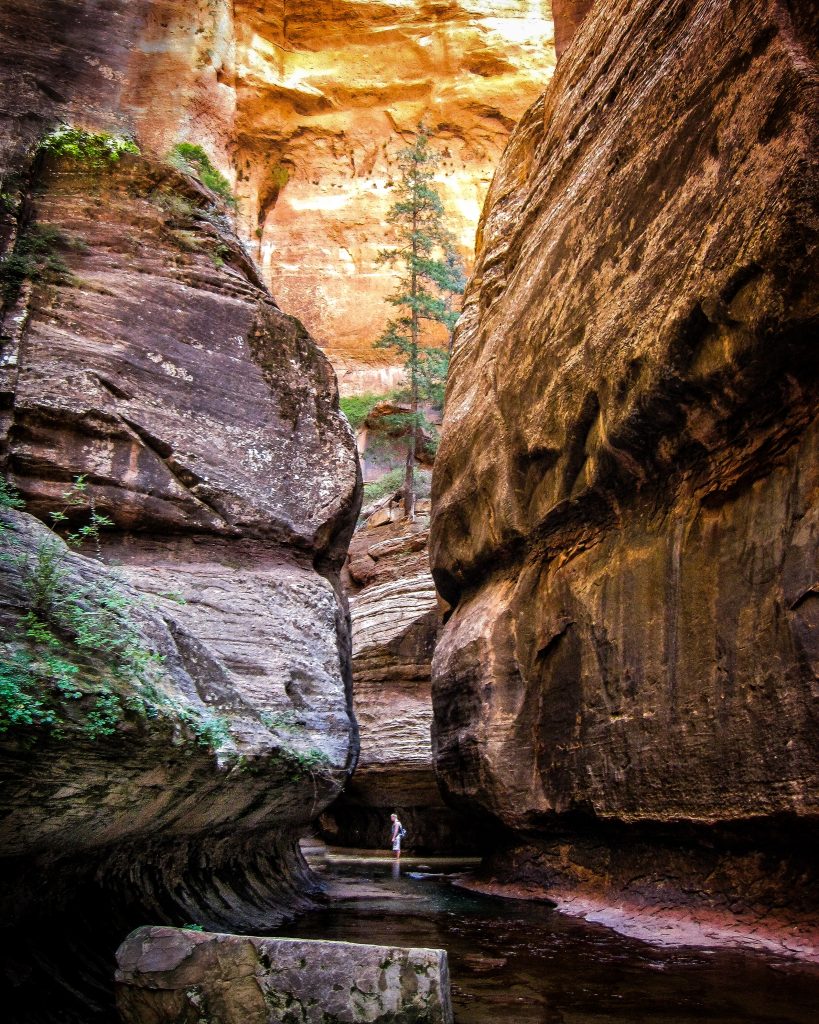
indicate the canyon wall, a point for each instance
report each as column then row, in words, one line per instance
column 327, row 96
column 176, row 708
column 625, row 520
column 395, row 623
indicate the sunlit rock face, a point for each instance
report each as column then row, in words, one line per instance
column 624, row 498
column 328, row 94
column 305, row 106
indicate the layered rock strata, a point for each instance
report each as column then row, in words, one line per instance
column 328, row 94
column 395, row 622
column 305, row 107
column 150, row 360
column 167, row 974
column 625, row 513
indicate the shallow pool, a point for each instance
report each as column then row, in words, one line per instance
column 523, row 962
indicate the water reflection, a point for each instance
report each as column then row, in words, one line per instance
column 522, row 962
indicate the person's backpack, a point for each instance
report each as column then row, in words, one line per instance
column 402, row 832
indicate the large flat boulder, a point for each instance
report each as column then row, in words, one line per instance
column 182, row 977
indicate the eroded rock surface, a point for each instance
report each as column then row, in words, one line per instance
column 205, row 421
column 167, row 974
column 395, row 622
column 625, row 493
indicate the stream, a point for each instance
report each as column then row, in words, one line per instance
column 521, row 961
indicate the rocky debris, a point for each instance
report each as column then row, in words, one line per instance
column 206, row 425
column 395, row 618
column 624, row 497
column 173, row 975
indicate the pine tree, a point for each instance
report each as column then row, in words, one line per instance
column 431, row 276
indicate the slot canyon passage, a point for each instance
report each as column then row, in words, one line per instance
column 583, row 672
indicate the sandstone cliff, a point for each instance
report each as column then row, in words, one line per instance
column 328, row 94
column 395, row 622
column 625, row 494
column 141, row 351
column 304, row 105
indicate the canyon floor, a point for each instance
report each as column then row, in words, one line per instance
column 522, row 960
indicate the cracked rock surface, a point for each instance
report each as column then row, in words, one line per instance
column 169, row 974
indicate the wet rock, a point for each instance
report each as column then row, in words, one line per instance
column 625, row 493
column 168, row 974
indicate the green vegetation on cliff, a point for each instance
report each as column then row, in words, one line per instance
column 192, row 159
column 77, row 659
column 92, row 149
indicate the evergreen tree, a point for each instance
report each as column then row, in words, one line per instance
column 431, row 276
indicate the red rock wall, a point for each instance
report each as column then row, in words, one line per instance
column 151, row 358
column 624, row 498
column 567, row 16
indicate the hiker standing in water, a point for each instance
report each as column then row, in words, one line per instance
column 398, row 833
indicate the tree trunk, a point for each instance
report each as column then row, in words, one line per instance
column 415, row 330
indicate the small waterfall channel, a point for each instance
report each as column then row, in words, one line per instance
column 523, row 962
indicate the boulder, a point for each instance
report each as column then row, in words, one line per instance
column 182, row 977
column 625, row 519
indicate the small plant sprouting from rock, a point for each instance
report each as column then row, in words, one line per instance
column 94, row 150
column 281, row 721
column 35, row 257
column 192, row 159
column 49, row 672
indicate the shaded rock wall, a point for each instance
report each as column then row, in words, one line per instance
column 567, row 15
column 149, row 357
column 625, row 494
column 395, row 622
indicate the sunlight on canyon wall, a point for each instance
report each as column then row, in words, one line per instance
column 327, row 96
column 305, row 107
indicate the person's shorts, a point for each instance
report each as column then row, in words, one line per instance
column 396, row 844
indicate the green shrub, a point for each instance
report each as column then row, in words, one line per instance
column 282, row 721
column 388, row 483
column 92, row 149
column 34, row 258
column 191, row 158
column 358, row 407
column 9, row 495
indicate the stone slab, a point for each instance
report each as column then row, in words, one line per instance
column 181, row 976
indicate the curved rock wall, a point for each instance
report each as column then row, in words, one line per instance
column 148, row 356
column 395, row 622
column 625, row 494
